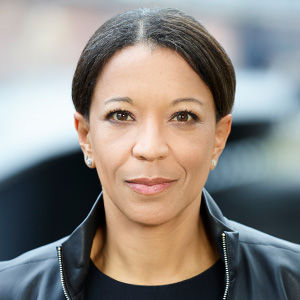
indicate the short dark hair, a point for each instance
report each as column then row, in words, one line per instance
column 157, row 27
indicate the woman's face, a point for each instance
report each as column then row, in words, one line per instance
column 152, row 134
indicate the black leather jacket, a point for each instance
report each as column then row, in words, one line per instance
column 258, row 266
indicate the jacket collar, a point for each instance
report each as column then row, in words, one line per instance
column 76, row 249
column 217, row 224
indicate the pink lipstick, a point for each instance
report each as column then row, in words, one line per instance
column 149, row 186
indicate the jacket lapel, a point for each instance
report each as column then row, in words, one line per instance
column 76, row 249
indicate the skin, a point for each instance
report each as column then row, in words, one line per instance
column 161, row 238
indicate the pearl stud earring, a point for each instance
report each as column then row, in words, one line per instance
column 213, row 163
column 89, row 161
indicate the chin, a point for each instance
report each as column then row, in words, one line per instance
column 153, row 214
column 151, row 210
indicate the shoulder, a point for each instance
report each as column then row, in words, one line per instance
column 257, row 239
column 32, row 257
column 29, row 271
column 268, row 261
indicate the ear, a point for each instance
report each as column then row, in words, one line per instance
column 83, row 129
column 222, row 132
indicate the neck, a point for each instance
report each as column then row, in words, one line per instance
column 153, row 255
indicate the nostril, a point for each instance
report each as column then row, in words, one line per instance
column 150, row 143
column 150, row 152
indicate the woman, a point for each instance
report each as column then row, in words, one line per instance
column 153, row 92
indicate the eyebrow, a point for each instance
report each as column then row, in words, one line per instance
column 187, row 99
column 176, row 101
column 119, row 99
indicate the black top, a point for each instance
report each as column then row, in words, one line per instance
column 206, row 285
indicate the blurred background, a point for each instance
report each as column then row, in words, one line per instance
column 45, row 188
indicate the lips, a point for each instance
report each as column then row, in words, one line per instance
column 149, row 186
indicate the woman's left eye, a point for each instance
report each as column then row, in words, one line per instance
column 184, row 116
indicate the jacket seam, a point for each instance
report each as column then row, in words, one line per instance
column 25, row 263
column 270, row 245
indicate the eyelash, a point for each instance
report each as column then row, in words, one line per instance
column 111, row 113
column 194, row 116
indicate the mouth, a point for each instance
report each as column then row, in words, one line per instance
column 149, row 186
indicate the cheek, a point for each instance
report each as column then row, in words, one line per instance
column 194, row 149
column 111, row 148
column 194, row 155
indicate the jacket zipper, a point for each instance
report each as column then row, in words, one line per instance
column 227, row 278
column 62, row 279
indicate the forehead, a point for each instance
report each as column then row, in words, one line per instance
column 140, row 71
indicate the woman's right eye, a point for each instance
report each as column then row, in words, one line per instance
column 120, row 115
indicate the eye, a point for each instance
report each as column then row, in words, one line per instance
column 184, row 116
column 119, row 115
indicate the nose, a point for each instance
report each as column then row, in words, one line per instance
column 150, row 144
